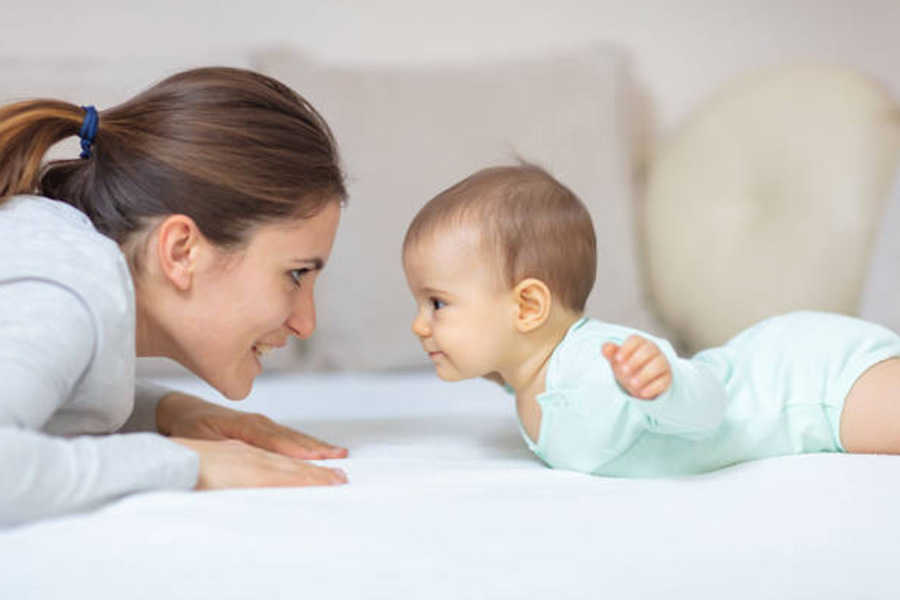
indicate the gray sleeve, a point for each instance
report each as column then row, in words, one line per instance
column 46, row 343
column 147, row 395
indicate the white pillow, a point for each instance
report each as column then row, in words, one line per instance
column 408, row 132
column 881, row 295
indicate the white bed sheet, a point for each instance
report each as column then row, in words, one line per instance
column 446, row 502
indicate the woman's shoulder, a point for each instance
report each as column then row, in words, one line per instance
column 40, row 228
column 44, row 239
column 39, row 211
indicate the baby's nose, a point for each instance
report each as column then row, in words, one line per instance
column 420, row 326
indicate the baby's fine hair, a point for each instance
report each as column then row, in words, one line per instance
column 534, row 225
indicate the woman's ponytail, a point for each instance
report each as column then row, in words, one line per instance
column 227, row 147
column 27, row 131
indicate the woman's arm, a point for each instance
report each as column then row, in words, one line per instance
column 46, row 343
column 47, row 339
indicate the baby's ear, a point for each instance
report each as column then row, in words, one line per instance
column 533, row 299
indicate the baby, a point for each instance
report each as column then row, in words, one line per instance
column 501, row 265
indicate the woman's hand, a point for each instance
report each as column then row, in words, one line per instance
column 640, row 367
column 184, row 416
column 234, row 464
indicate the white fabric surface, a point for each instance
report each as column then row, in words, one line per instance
column 446, row 502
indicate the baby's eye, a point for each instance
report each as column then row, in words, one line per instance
column 297, row 274
column 437, row 304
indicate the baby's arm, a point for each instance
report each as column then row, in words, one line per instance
column 640, row 367
column 678, row 396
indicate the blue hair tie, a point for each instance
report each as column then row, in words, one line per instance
column 88, row 130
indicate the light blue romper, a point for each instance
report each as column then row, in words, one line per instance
column 776, row 388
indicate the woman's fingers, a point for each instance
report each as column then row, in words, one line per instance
column 235, row 464
column 261, row 431
column 290, row 442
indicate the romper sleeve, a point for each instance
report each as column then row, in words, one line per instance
column 589, row 420
column 47, row 339
column 694, row 404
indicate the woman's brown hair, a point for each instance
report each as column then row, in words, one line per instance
column 229, row 148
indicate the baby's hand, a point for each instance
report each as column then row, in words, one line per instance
column 639, row 366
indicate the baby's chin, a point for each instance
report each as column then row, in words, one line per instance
column 451, row 375
column 448, row 374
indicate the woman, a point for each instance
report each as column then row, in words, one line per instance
column 193, row 226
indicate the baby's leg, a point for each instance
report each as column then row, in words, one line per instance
column 870, row 421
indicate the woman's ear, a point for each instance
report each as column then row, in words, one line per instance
column 533, row 299
column 177, row 242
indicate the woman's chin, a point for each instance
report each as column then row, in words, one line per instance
column 237, row 394
column 236, row 387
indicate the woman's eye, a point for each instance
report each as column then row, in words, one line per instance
column 437, row 304
column 297, row 274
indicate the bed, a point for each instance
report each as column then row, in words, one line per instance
column 445, row 501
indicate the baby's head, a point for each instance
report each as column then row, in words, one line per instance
column 492, row 259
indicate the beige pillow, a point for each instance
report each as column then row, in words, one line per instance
column 768, row 200
column 406, row 133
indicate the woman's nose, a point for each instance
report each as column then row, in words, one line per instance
column 302, row 320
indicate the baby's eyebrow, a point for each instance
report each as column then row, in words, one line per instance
column 431, row 290
column 317, row 263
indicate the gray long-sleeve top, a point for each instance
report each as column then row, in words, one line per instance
column 67, row 359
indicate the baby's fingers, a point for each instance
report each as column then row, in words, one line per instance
column 609, row 351
column 654, row 379
column 654, row 388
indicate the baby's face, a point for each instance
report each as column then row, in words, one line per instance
column 465, row 319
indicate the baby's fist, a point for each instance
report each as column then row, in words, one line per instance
column 640, row 367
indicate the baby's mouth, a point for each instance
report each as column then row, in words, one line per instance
column 262, row 349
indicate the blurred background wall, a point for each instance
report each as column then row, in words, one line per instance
column 677, row 55
column 681, row 50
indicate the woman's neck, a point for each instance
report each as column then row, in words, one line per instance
column 151, row 338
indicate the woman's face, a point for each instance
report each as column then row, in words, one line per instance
column 251, row 301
